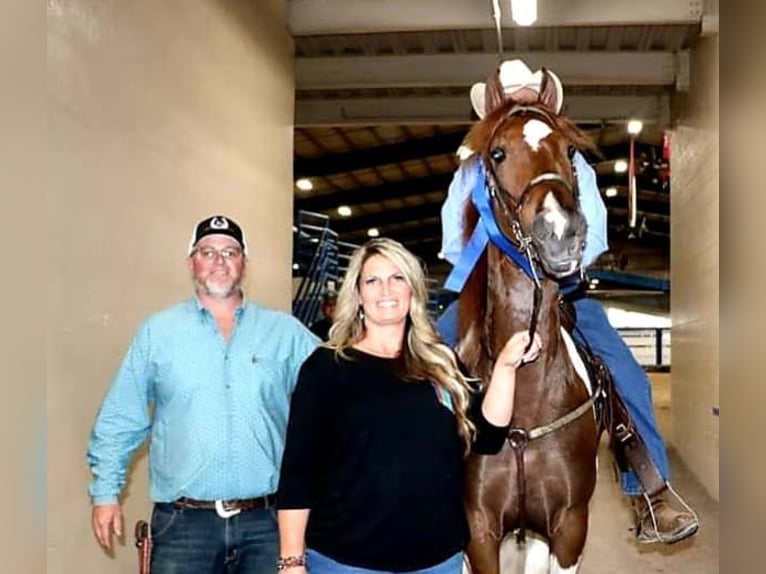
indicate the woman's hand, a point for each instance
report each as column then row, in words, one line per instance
column 498, row 399
column 513, row 354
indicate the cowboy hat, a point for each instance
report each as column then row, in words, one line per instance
column 515, row 75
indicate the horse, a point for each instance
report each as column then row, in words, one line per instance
column 542, row 480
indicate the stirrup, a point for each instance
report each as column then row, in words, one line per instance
column 645, row 537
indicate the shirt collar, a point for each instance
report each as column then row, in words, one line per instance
column 195, row 300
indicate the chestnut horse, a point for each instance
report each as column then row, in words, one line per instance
column 543, row 478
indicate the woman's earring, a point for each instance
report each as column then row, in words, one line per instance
column 361, row 314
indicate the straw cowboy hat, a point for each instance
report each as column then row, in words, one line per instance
column 515, row 75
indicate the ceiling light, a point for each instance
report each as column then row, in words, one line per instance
column 620, row 166
column 611, row 192
column 304, row 184
column 373, row 232
column 635, row 127
column 524, row 12
column 344, row 211
column 296, row 266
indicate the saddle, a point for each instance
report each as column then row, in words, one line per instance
column 612, row 415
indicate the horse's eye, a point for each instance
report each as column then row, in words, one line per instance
column 497, row 154
column 571, row 151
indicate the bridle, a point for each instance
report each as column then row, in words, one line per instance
column 512, row 213
column 501, row 195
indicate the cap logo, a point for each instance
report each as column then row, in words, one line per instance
column 219, row 223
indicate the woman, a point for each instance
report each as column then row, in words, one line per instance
column 380, row 421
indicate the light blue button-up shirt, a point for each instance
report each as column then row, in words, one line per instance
column 470, row 174
column 216, row 410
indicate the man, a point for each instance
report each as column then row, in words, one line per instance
column 209, row 381
column 321, row 328
column 520, row 84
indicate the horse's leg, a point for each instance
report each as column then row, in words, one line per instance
column 484, row 555
column 568, row 541
column 483, row 551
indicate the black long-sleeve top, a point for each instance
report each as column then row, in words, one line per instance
column 379, row 463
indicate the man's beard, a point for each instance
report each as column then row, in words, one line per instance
column 220, row 288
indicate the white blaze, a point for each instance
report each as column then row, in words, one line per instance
column 534, row 132
column 554, row 214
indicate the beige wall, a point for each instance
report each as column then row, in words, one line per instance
column 694, row 269
column 159, row 113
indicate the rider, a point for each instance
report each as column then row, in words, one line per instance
column 522, row 86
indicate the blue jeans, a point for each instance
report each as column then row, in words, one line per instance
column 629, row 377
column 191, row 541
column 320, row 564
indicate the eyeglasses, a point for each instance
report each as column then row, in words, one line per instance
column 227, row 253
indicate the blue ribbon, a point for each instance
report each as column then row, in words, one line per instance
column 486, row 230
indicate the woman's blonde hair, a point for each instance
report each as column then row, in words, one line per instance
column 426, row 358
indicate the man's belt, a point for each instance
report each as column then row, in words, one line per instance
column 227, row 508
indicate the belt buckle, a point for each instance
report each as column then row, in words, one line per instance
column 222, row 512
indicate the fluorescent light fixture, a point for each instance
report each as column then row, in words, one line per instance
column 344, row 211
column 524, row 12
column 304, row 184
column 611, row 192
column 620, row 166
column 635, row 127
column 373, row 232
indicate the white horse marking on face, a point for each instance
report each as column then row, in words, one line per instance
column 554, row 214
column 534, row 132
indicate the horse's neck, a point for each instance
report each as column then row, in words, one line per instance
column 543, row 389
column 510, row 308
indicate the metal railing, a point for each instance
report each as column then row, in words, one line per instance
column 320, row 261
column 650, row 346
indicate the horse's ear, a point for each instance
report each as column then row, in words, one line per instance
column 494, row 95
column 549, row 94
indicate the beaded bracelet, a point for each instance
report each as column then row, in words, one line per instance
column 283, row 563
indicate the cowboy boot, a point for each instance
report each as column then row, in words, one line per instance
column 657, row 521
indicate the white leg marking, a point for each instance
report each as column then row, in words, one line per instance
column 511, row 556
column 537, row 556
column 534, row 132
column 557, row 569
column 554, row 214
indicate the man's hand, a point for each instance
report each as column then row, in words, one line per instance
column 106, row 519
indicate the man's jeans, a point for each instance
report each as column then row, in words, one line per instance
column 192, row 541
column 629, row 377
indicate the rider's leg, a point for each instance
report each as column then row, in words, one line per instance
column 634, row 388
column 629, row 378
